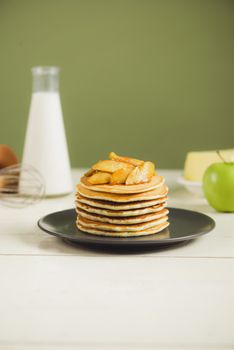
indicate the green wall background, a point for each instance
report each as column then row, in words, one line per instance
column 151, row 79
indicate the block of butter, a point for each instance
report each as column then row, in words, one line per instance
column 197, row 162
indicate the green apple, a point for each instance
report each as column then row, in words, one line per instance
column 218, row 186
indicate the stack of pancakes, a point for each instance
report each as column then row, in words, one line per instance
column 122, row 210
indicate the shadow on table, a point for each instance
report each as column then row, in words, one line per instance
column 50, row 245
column 124, row 250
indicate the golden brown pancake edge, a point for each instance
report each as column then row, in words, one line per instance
column 155, row 182
column 123, row 198
column 151, row 231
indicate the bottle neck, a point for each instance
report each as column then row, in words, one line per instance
column 45, row 79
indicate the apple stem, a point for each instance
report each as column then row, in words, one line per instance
column 220, row 156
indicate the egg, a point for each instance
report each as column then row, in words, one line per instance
column 7, row 156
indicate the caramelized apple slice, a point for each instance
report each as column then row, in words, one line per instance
column 110, row 166
column 141, row 174
column 120, row 176
column 90, row 172
column 134, row 162
column 134, row 177
column 148, row 170
column 99, row 178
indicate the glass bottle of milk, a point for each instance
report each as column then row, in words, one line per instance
column 45, row 145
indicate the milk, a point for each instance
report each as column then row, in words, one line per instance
column 45, row 143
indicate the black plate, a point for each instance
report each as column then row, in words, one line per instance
column 184, row 225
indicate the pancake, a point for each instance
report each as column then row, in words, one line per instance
column 155, row 182
column 144, row 232
column 119, row 213
column 123, row 221
column 119, row 228
column 123, row 198
column 122, row 210
column 120, row 206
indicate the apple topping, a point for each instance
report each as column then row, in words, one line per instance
column 110, row 166
column 120, row 176
column 134, row 177
column 90, row 172
column 148, row 170
column 99, row 178
column 120, row 170
column 143, row 173
column 134, row 162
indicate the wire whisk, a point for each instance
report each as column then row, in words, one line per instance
column 21, row 185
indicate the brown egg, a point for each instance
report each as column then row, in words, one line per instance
column 7, row 156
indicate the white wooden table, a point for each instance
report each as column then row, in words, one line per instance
column 56, row 296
